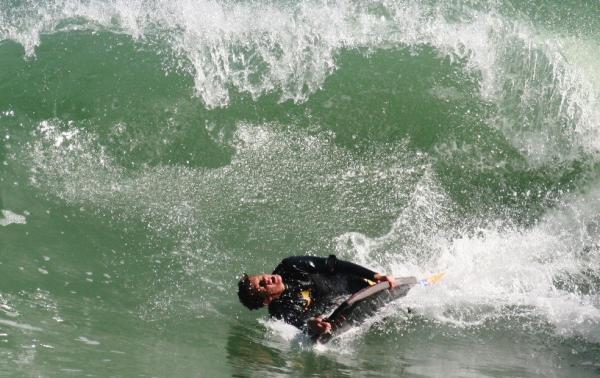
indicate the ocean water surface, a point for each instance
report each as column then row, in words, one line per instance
column 151, row 151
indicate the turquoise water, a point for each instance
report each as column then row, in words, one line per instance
column 152, row 151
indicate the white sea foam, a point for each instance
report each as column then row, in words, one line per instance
column 8, row 217
column 87, row 341
column 496, row 271
column 22, row 326
column 281, row 329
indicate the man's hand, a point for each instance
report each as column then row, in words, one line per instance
column 317, row 326
column 380, row 278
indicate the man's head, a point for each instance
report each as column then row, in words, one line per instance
column 259, row 290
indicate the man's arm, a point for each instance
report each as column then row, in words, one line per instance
column 347, row 267
column 322, row 265
column 330, row 265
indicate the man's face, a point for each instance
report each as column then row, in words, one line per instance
column 267, row 286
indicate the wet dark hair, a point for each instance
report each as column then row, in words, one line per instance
column 248, row 297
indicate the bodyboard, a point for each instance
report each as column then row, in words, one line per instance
column 366, row 302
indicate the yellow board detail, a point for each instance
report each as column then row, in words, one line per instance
column 307, row 297
column 435, row 278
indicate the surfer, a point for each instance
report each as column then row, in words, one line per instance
column 302, row 288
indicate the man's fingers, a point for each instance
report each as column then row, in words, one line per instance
column 392, row 281
column 317, row 326
column 323, row 324
column 326, row 326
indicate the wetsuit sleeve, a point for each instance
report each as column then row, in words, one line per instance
column 346, row 267
column 304, row 264
column 321, row 265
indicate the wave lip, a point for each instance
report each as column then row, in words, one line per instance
column 546, row 107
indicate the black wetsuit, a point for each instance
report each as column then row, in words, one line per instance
column 315, row 285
